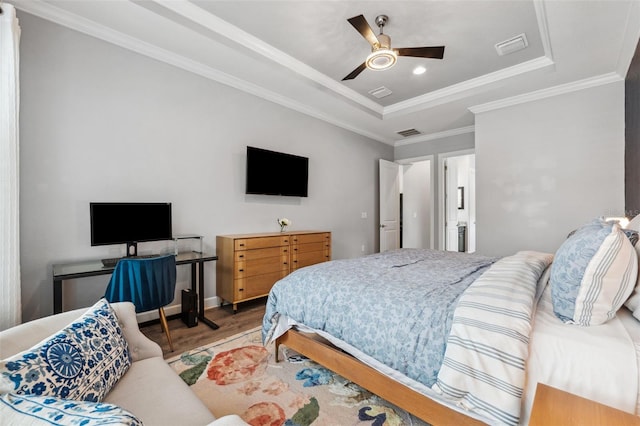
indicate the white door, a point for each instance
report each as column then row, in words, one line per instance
column 451, row 204
column 471, row 228
column 389, row 205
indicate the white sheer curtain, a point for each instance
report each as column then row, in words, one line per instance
column 10, row 304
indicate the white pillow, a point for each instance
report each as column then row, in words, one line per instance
column 633, row 302
column 83, row 361
column 593, row 273
column 33, row 410
column 634, row 224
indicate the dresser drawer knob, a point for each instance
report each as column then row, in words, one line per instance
column 240, row 270
column 241, row 256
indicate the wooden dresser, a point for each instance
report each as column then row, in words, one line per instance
column 249, row 264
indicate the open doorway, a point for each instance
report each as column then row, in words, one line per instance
column 459, row 210
column 407, row 212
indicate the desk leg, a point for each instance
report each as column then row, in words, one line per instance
column 57, row 296
column 193, row 277
column 201, row 316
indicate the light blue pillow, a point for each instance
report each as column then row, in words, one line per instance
column 32, row 410
column 593, row 273
column 83, row 361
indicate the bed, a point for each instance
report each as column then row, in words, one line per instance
column 471, row 335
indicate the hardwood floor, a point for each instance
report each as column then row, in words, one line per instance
column 249, row 315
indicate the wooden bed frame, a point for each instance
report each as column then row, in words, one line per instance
column 338, row 361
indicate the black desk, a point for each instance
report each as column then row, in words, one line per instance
column 91, row 268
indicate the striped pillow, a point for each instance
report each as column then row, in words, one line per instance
column 633, row 302
column 593, row 273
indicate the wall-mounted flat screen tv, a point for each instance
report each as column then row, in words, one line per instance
column 276, row 173
column 129, row 223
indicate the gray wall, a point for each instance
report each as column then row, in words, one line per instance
column 436, row 146
column 100, row 123
column 548, row 166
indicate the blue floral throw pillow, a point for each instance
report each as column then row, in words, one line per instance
column 45, row 410
column 592, row 274
column 83, row 361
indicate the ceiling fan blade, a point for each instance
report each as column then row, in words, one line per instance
column 434, row 52
column 355, row 72
column 362, row 26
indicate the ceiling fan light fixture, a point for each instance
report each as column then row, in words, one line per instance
column 381, row 59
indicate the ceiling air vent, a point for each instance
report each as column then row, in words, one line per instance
column 380, row 92
column 512, row 45
column 409, row 132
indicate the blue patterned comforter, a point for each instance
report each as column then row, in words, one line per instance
column 396, row 307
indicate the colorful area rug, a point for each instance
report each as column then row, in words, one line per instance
column 238, row 375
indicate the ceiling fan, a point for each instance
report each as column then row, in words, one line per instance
column 382, row 57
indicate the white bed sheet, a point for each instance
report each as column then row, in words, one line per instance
column 599, row 362
column 633, row 328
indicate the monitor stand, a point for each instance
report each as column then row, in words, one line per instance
column 132, row 249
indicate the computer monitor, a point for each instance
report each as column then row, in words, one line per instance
column 129, row 223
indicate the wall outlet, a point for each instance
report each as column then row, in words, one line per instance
column 363, row 215
column 362, row 248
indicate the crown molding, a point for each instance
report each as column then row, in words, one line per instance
column 466, row 88
column 201, row 17
column 433, row 136
column 236, row 35
column 543, row 25
column 54, row 14
column 561, row 89
column 448, row 94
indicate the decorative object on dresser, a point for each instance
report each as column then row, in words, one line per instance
column 249, row 264
column 284, row 222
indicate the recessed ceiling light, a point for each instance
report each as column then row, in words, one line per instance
column 419, row 70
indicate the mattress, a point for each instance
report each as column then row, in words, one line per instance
column 632, row 325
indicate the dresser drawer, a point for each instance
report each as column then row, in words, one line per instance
column 261, row 242
column 300, row 260
column 244, row 255
column 310, row 238
column 260, row 266
column 259, row 285
column 301, row 248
